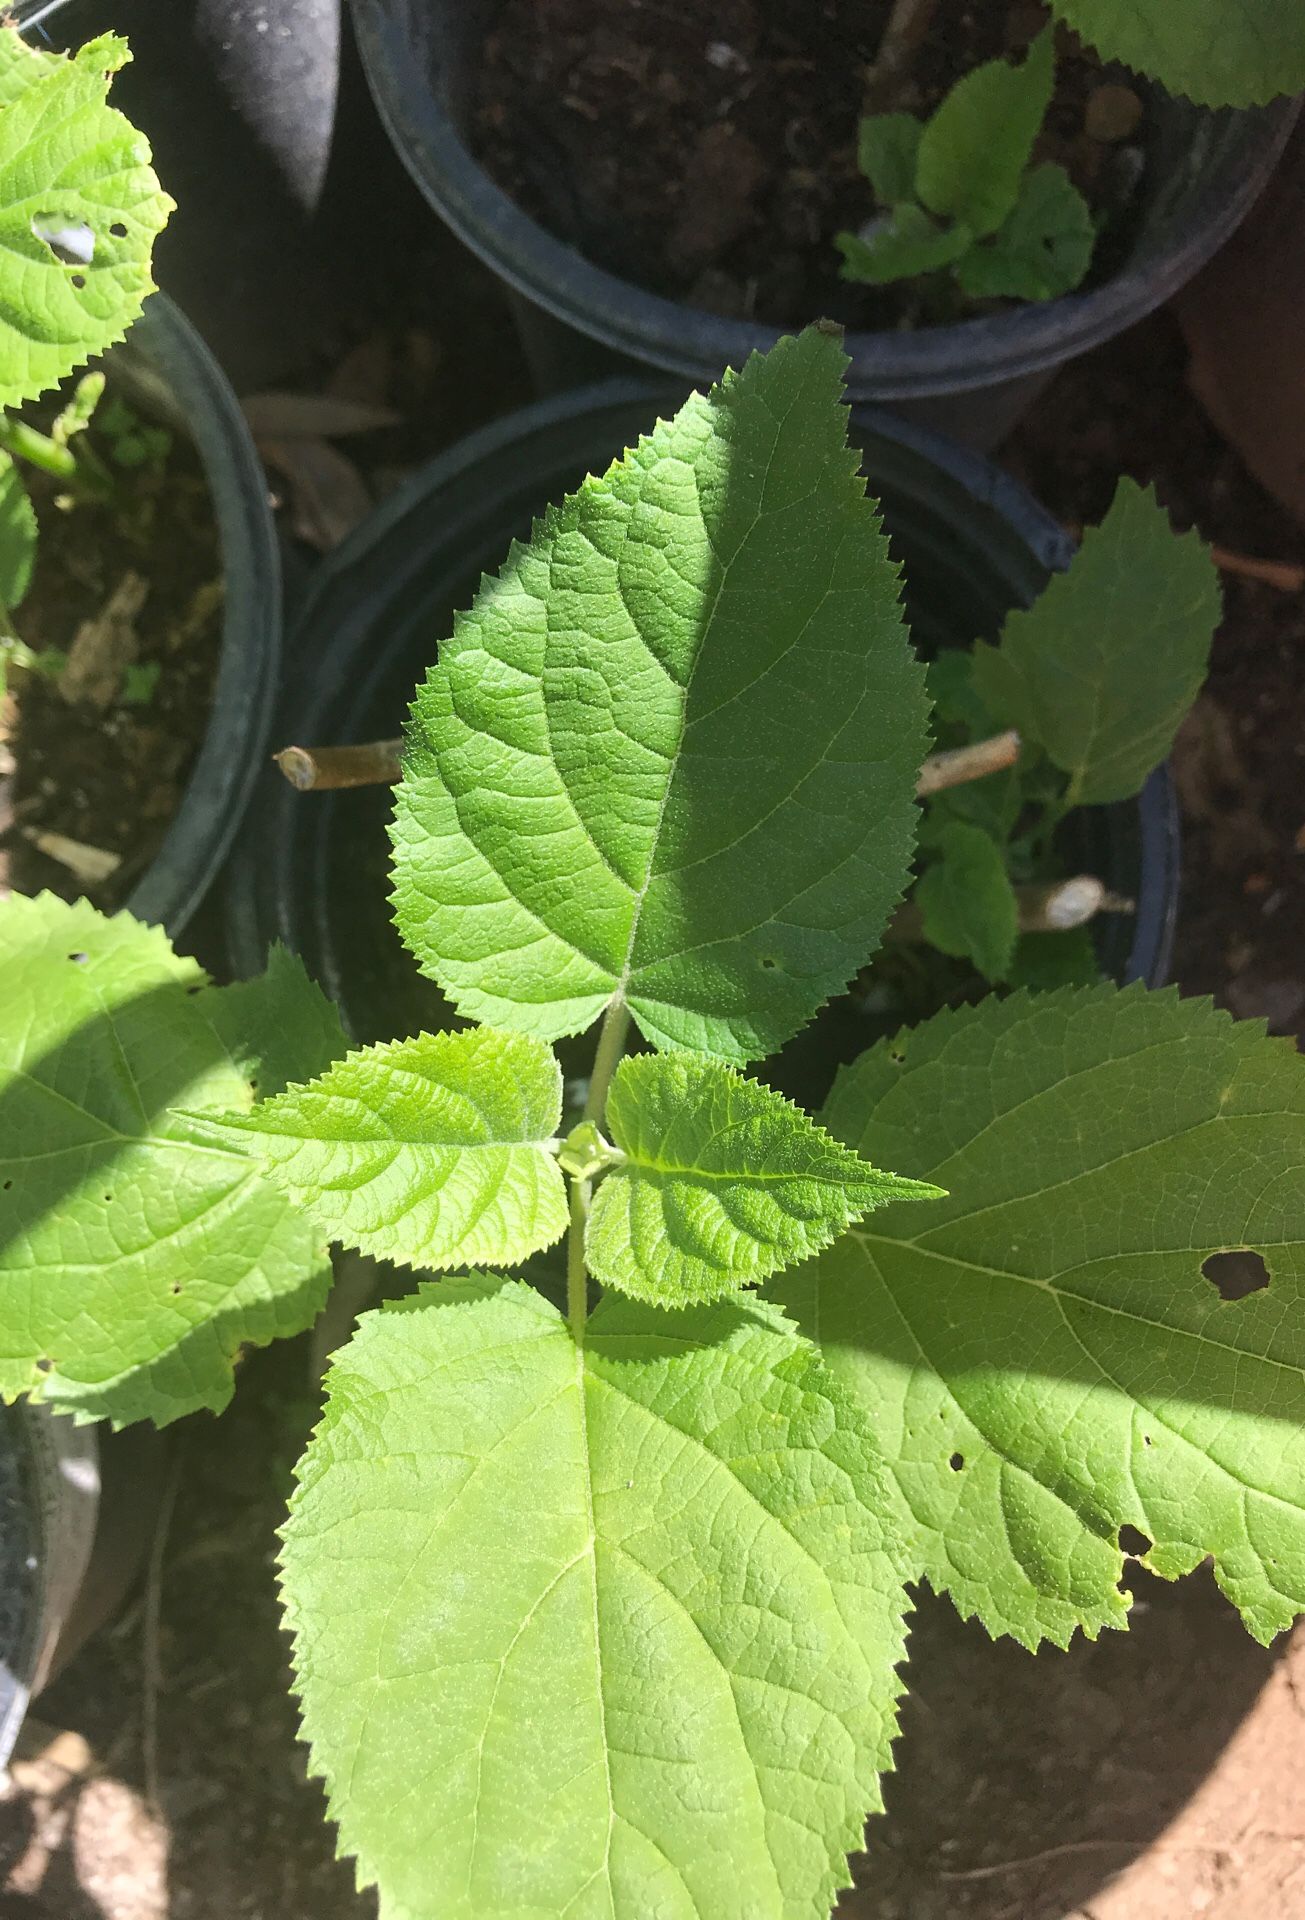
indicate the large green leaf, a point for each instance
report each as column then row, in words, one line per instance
column 723, row 1182
column 604, row 1632
column 966, row 900
column 1043, row 1355
column 80, row 208
column 433, row 1151
column 1222, row 53
column 669, row 755
column 1102, row 668
column 134, row 1259
column 1042, row 249
column 975, row 148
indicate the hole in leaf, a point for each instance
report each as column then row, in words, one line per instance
column 1133, row 1542
column 956, row 1462
column 1236, row 1273
column 897, row 1057
column 118, row 230
column 43, row 1365
column 78, row 957
column 70, row 241
column 176, row 1286
column 1146, row 1439
column 108, row 1197
column 7, row 1185
column 769, row 965
column 79, row 280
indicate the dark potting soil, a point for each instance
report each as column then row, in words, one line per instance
column 99, row 756
column 709, row 153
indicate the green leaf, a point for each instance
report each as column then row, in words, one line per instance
column 900, row 247
column 80, row 208
column 1044, row 961
column 886, row 150
column 1220, row 53
column 134, row 1260
column 975, row 149
column 601, row 1631
column 430, row 1152
column 670, row 754
column 1042, row 1354
column 724, row 1182
column 1042, row 249
column 277, row 1028
column 1101, row 670
column 17, row 535
column 967, row 901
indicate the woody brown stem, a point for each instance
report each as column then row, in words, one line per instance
column 375, row 763
column 954, row 768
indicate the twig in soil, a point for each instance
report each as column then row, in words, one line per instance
column 151, row 1613
column 376, row 763
column 908, row 23
column 320, row 769
column 961, row 764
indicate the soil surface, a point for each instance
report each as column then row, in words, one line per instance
column 709, row 153
column 94, row 759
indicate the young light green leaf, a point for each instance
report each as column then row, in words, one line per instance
column 886, row 150
column 17, row 536
column 724, row 1181
column 607, row 1630
column 134, row 1260
column 431, row 1152
column 670, row 754
column 975, row 148
column 80, row 208
column 1101, row 670
column 900, row 247
column 966, row 899
column 1042, row 249
column 1043, row 1354
column 1220, row 53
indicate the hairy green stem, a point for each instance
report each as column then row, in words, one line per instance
column 611, row 1045
column 82, row 473
column 607, row 1057
column 577, row 1274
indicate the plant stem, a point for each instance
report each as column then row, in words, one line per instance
column 961, row 764
column 611, row 1045
column 83, row 474
column 319, row 769
column 607, row 1057
column 908, row 23
column 577, row 1276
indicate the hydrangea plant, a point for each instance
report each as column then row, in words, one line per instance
column 599, row 1601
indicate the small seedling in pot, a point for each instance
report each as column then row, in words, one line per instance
column 961, row 196
column 74, row 272
column 600, row 1608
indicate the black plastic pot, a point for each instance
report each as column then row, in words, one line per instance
column 175, row 379
column 312, row 870
column 972, row 380
column 77, row 1502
